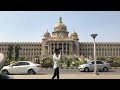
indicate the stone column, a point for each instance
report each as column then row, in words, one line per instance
column 57, row 45
column 115, row 52
column 53, row 47
column 71, row 48
column 48, row 48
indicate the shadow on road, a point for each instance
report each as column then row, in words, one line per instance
column 100, row 71
column 31, row 74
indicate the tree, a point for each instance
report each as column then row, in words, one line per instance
column 68, row 63
column 101, row 58
column 22, row 58
column 10, row 52
column 17, row 49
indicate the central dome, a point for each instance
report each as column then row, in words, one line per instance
column 60, row 25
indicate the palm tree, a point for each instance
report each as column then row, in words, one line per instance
column 17, row 49
column 10, row 52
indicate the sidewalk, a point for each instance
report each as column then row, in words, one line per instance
column 67, row 76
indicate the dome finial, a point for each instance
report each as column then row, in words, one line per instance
column 60, row 19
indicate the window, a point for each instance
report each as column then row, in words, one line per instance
column 113, row 49
column 64, row 43
column 92, row 62
column 26, row 63
column 67, row 52
column 55, row 44
column 99, row 62
column 20, row 63
column 68, row 48
column 60, row 44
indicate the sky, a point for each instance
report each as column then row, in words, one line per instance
column 30, row 26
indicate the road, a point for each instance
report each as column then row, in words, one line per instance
column 76, row 71
column 71, row 74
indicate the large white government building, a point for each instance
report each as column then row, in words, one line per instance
column 68, row 43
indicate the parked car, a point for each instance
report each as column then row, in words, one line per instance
column 101, row 65
column 114, row 63
column 21, row 67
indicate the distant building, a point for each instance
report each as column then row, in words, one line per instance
column 68, row 43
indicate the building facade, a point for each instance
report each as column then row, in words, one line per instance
column 68, row 43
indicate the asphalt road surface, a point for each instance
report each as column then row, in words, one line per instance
column 76, row 71
column 71, row 74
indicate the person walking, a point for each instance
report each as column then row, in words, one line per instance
column 56, row 59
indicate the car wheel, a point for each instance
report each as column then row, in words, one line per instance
column 5, row 72
column 31, row 71
column 105, row 69
column 86, row 69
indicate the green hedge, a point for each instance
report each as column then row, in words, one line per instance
column 49, row 63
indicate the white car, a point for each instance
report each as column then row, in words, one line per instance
column 101, row 65
column 21, row 67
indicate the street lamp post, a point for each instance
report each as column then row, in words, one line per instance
column 95, row 66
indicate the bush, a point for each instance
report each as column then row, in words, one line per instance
column 66, row 67
column 47, row 63
column 115, row 64
column 117, row 61
column 61, row 67
column 79, row 62
column 68, row 63
column 12, row 62
column 72, row 68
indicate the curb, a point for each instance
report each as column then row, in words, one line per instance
column 115, row 67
